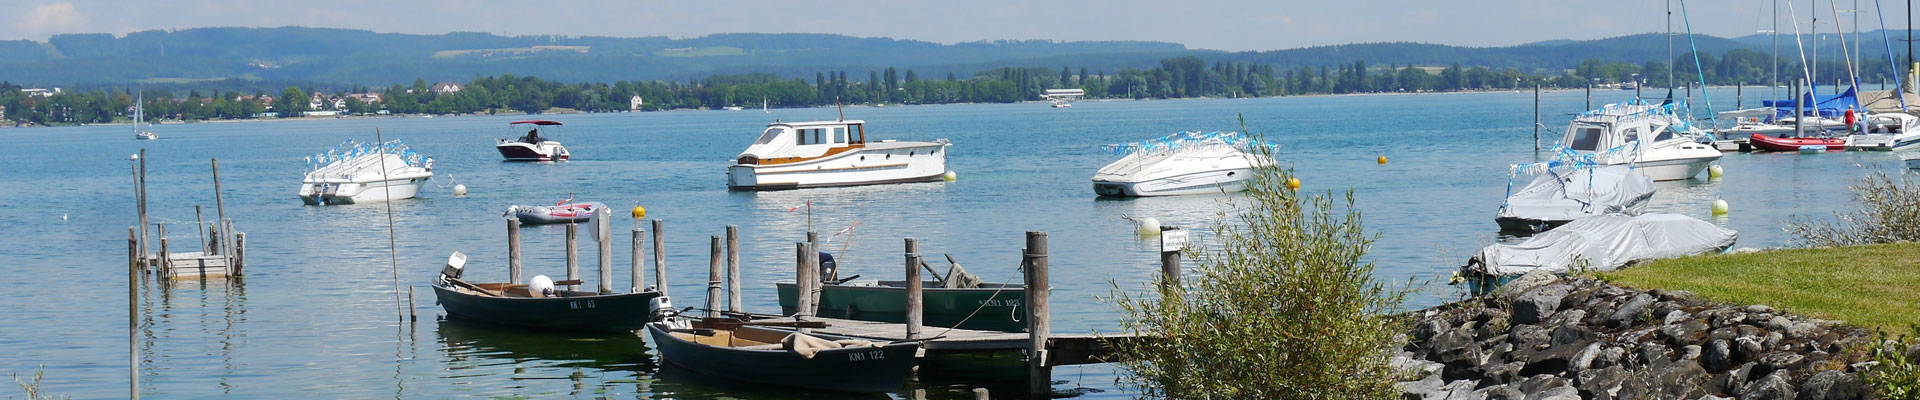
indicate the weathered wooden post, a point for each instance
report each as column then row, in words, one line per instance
column 513, row 251
column 802, row 279
column 1739, row 95
column 133, row 249
column 220, row 208
column 660, row 256
column 1536, row 117
column 142, row 187
column 215, row 249
column 603, row 239
column 914, row 311
column 714, row 272
column 1039, row 374
column 165, row 258
column 733, row 268
column 133, row 314
column 1171, row 241
column 573, row 255
column 201, row 227
column 639, row 257
column 239, row 253
column 413, row 309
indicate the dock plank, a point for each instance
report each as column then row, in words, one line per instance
column 1068, row 349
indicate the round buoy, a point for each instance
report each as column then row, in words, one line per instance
column 951, row 176
column 1382, row 160
column 1719, row 207
column 1149, row 226
column 540, row 285
column 639, row 212
column 1293, row 183
column 460, row 189
column 1715, row 171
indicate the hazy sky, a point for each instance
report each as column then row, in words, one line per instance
column 1224, row 25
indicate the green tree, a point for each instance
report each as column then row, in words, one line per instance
column 291, row 103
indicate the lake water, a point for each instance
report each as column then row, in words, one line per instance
column 316, row 314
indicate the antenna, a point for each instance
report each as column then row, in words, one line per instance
column 836, row 106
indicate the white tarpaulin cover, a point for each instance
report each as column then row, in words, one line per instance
column 1566, row 194
column 1606, row 242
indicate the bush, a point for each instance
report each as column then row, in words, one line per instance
column 1286, row 308
column 1889, row 212
column 1897, row 377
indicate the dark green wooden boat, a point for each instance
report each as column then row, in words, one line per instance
column 999, row 305
column 754, row 354
column 506, row 304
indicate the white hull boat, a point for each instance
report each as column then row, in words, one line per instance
column 1887, row 132
column 799, row 155
column 1654, row 139
column 365, row 173
column 1180, row 164
column 1562, row 195
column 139, row 120
column 532, row 146
column 1597, row 244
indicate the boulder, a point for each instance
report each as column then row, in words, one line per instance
column 1684, row 333
column 1420, row 389
column 1610, row 357
column 1601, row 383
column 1774, row 386
column 1500, row 392
column 1499, row 374
column 1745, row 349
column 1759, row 309
column 1556, row 393
column 1681, row 380
column 1583, row 359
column 1534, row 306
column 1778, row 324
column 1690, row 352
column 1717, row 357
column 1675, row 316
column 1832, row 385
column 1529, row 337
column 1630, row 313
column 1524, row 283
column 1778, row 361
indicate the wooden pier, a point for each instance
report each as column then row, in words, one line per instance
column 218, row 251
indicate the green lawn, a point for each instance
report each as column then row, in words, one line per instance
column 1876, row 287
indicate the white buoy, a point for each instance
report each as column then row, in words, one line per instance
column 460, row 189
column 1719, row 207
column 1149, row 226
column 951, row 176
column 539, row 285
column 1715, row 171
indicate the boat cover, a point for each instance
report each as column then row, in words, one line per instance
column 1830, row 106
column 1605, row 243
column 1569, row 193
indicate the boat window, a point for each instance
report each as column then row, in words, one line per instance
column 819, row 135
column 768, row 136
column 1633, row 135
column 1586, row 139
column 1665, row 134
column 857, row 131
column 839, row 135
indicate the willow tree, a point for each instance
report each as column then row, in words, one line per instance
column 1281, row 306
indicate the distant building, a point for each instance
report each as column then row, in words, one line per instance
column 446, row 87
column 634, row 103
column 36, row 92
column 317, row 100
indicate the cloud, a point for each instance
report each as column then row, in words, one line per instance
column 53, row 18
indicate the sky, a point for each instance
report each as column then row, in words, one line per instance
column 1231, row 25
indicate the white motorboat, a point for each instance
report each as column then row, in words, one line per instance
column 356, row 172
column 798, row 155
column 1561, row 195
column 1887, row 131
column 1655, row 139
column 532, row 146
column 1182, row 163
column 1913, row 163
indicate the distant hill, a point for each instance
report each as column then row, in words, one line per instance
column 359, row 57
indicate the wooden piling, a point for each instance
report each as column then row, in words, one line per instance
column 803, row 279
column 914, row 311
column 239, row 254
column 133, row 313
column 603, row 239
column 714, row 272
column 219, row 207
column 216, row 247
column 201, row 227
column 141, row 186
column 1171, row 241
column 733, row 268
column 413, row 308
column 1039, row 374
column 660, row 256
column 639, row 279
column 133, row 249
column 513, row 251
column 573, row 255
column 1536, row 117
column 166, row 264
column 1589, row 94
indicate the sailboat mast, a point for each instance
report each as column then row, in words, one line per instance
column 1776, row 50
column 1670, row 82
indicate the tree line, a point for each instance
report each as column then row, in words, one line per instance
column 1182, row 77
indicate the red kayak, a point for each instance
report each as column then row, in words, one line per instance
column 1784, row 143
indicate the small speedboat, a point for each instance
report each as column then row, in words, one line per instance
column 1887, row 131
column 740, row 350
column 532, row 146
column 1659, row 140
column 1181, row 163
column 1597, row 244
column 358, row 172
column 564, row 212
column 799, row 155
column 1783, row 142
column 1561, row 195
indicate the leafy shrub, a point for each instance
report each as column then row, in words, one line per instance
column 1897, row 377
column 1889, row 212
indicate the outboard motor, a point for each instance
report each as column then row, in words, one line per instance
column 827, row 266
column 662, row 310
column 456, row 264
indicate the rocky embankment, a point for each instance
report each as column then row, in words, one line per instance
column 1543, row 337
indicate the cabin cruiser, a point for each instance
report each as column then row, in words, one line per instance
column 798, row 155
column 1887, row 131
column 1655, row 139
column 357, row 172
column 1596, row 244
column 532, row 146
column 1560, row 195
column 1181, row 163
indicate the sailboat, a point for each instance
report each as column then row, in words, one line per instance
column 763, row 105
column 1891, row 129
column 139, row 117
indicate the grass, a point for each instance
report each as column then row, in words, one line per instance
column 1873, row 286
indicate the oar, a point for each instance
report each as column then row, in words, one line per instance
column 477, row 288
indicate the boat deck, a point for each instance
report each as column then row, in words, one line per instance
column 1062, row 349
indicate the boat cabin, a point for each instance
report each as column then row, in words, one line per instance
column 788, row 142
column 534, row 131
column 1617, row 126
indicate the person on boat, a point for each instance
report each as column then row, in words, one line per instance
column 533, row 136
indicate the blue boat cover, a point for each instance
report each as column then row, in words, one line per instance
column 1829, row 106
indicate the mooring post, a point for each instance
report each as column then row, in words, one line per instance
column 413, row 309
column 133, row 314
column 1172, row 239
column 1589, row 94
column 802, row 275
column 513, row 251
column 660, row 256
column 216, row 246
column 142, row 187
column 813, row 279
column 603, row 239
column 914, row 311
column 1039, row 374
column 201, row 227
column 220, row 207
column 133, row 249
column 1739, row 94
column 573, row 255
column 1536, row 117
column 239, row 253
column 714, row 272
column 639, row 278
column 733, row 268
column 164, row 262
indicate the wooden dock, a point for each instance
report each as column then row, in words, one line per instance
column 218, row 250
column 1062, row 350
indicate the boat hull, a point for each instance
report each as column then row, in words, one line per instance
column 1776, row 143
column 852, row 369
column 519, row 151
column 361, row 192
column 543, row 215
column 998, row 309
column 1215, row 181
column 1883, row 142
column 1673, row 170
column 878, row 163
column 597, row 313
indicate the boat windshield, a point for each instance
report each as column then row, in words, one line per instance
column 1586, row 138
column 768, row 136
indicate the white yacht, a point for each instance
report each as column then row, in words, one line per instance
column 139, row 120
column 1887, row 131
column 532, row 146
column 355, row 172
column 798, row 155
column 1657, row 140
column 1182, row 163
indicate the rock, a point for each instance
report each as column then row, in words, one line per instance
column 1456, row 390
column 1691, row 352
column 1779, row 361
column 1713, row 397
column 1683, row 379
column 1724, row 319
column 1499, row 374
column 1537, row 384
column 1774, row 340
column 1832, row 385
column 1500, row 392
column 1745, row 349
column 1526, row 282
column 1534, row 306
column 1420, row 389
column 1774, row 386
column 1413, row 367
column 1445, row 346
column 1654, row 355
column 1556, row 393
column 1567, row 317
column 1629, row 313
column 1529, row 337
column 1675, row 316
column 1759, row 309
column 1610, row 357
column 1717, row 357
column 1778, row 324
column 1601, row 383
column 1683, row 333
column 1723, row 333
column 1800, row 330
column 1427, row 328
column 1583, row 359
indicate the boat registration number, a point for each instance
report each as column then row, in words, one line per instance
column 866, row 355
column 577, row 306
column 1000, row 303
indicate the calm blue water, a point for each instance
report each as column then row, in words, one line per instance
column 316, row 314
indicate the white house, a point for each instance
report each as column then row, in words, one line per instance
column 446, row 87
